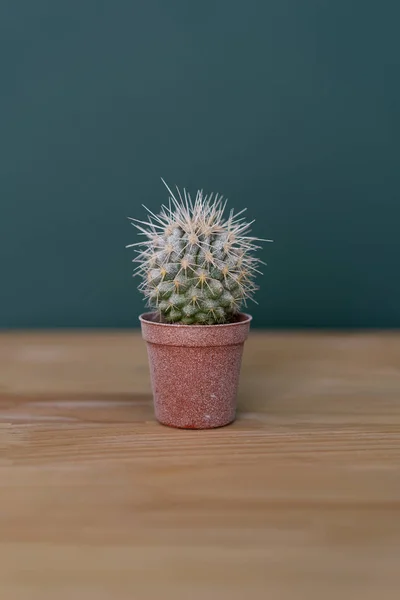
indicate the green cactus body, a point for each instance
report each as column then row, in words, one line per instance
column 197, row 266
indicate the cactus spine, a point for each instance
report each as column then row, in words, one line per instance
column 197, row 266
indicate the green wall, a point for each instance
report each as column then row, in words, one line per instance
column 288, row 107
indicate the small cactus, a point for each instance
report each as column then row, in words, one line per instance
column 197, row 266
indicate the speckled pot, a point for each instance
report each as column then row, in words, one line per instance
column 194, row 370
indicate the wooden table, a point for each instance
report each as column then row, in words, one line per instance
column 299, row 499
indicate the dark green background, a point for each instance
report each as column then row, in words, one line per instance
column 288, row 107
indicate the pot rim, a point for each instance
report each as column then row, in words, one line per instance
column 143, row 319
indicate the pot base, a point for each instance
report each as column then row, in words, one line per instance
column 197, row 427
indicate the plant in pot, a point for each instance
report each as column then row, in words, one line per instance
column 197, row 267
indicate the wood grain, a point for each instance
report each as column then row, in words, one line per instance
column 300, row 498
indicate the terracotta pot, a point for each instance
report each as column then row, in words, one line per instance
column 194, row 370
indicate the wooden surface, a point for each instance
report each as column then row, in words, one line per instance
column 300, row 498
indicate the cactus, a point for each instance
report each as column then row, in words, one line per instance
column 197, row 266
